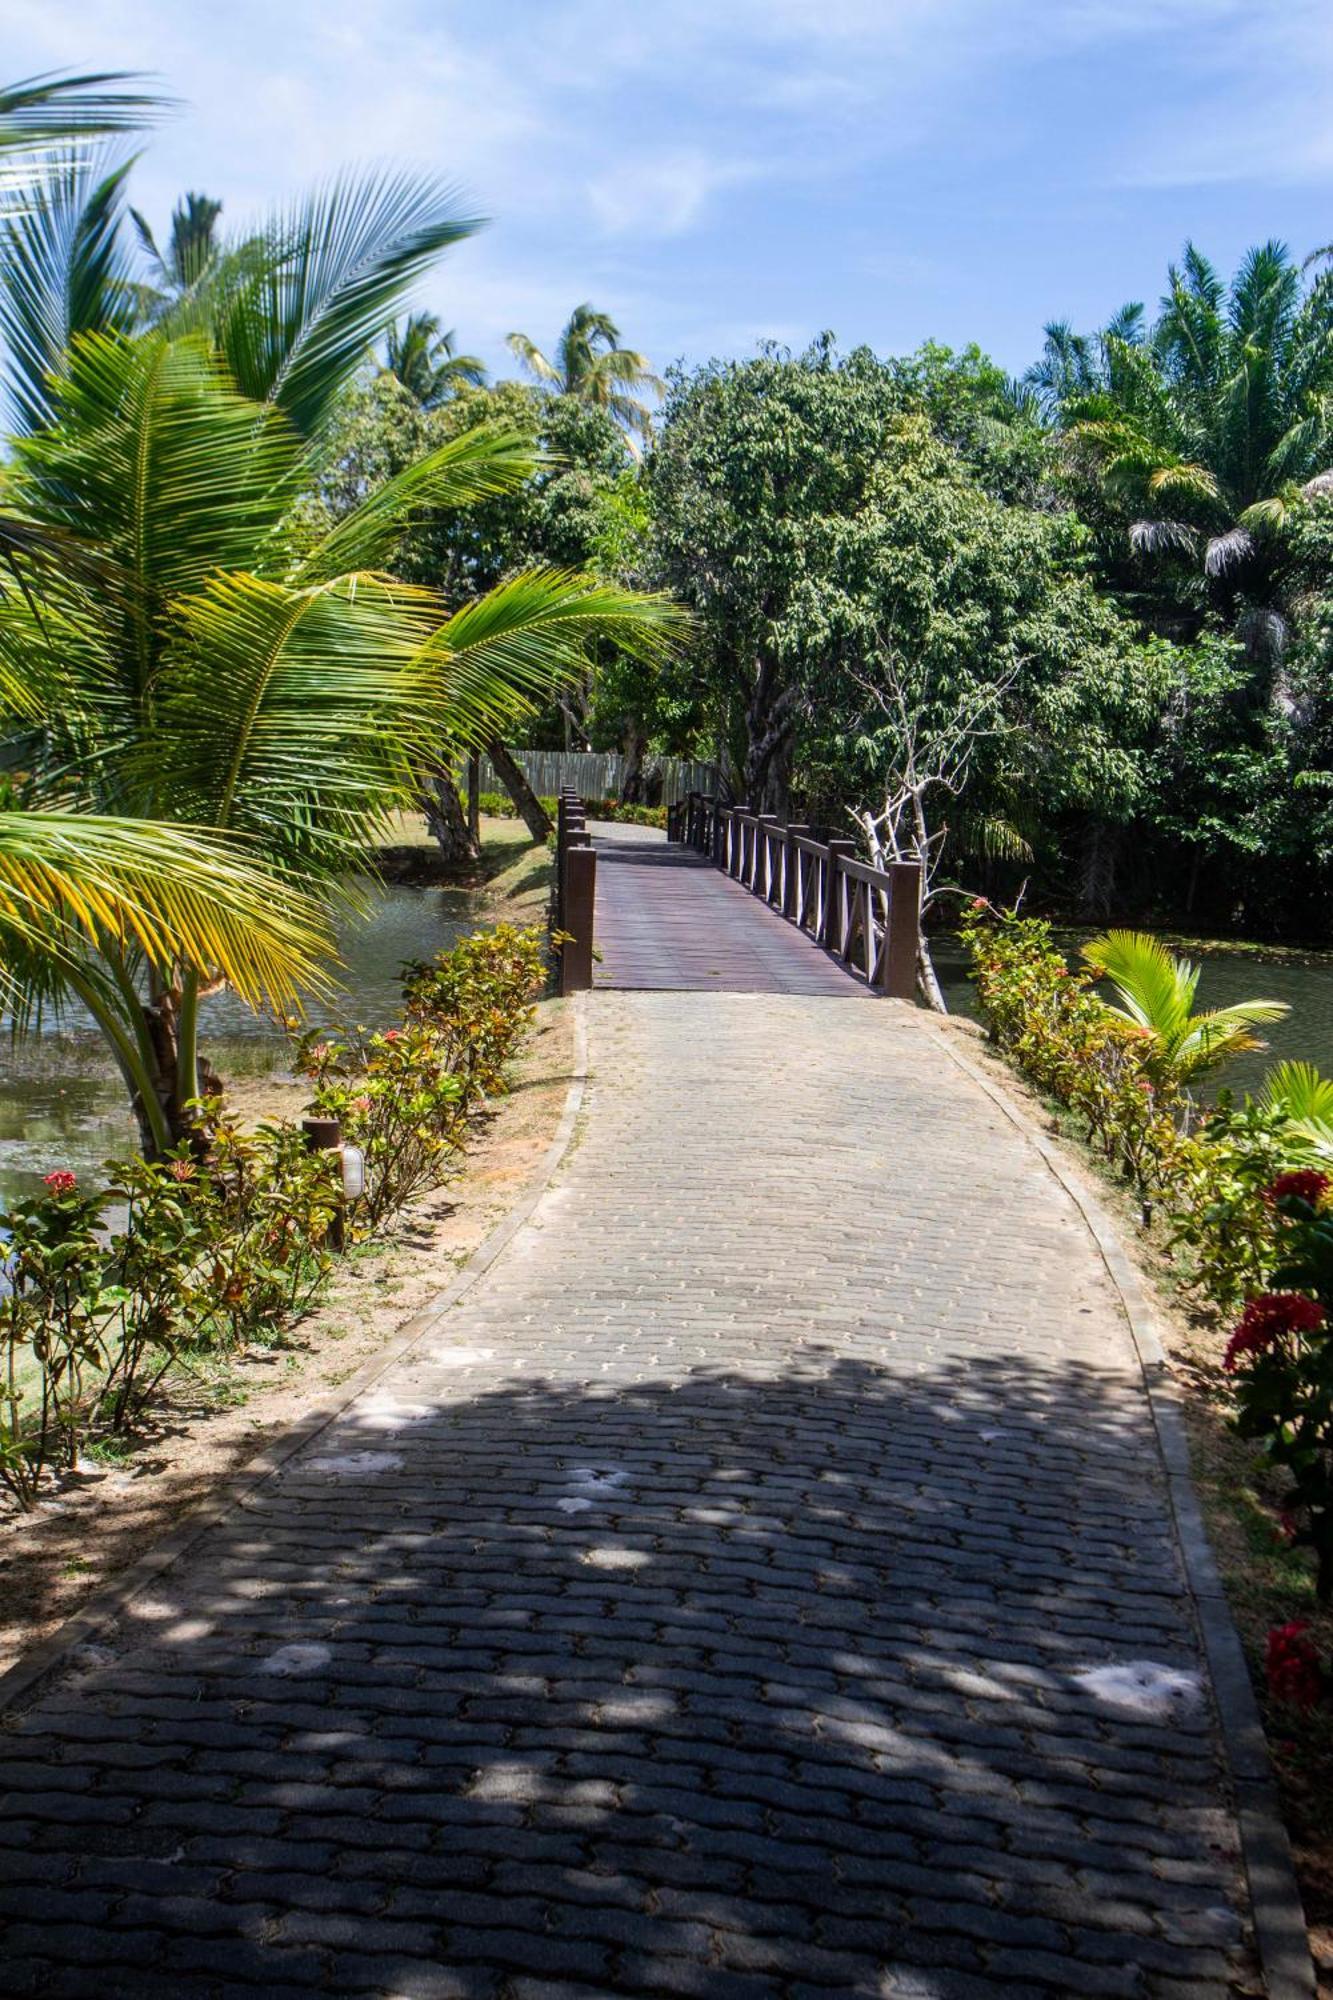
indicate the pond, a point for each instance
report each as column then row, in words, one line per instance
column 62, row 1103
column 1303, row 981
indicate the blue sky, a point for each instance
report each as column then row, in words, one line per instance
column 714, row 172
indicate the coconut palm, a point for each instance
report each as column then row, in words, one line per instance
column 1156, row 991
column 238, row 671
column 425, row 359
column 1210, row 425
column 192, row 247
column 591, row 365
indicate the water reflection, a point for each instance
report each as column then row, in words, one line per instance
column 62, row 1103
column 1305, row 983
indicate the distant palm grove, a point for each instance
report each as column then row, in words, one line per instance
column 281, row 553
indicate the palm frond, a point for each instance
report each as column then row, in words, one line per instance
column 64, row 271
column 477, row 465
column 295, row 311
column 70, row 881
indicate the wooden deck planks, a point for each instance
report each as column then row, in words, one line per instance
column 668, row 920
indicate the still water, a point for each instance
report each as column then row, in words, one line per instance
column 1304, row 982
column 62, row 1103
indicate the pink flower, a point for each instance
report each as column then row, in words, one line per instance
column 391, row 1034
column 361, row 1104
column 1265, row 1320
column 62, row 1181
column 1291, row 1665
column 980, row 903
column 321, row 1051
column 1301, row 1184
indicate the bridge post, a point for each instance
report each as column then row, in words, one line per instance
column 735, row 848
column 901, row 930
column 762, row 882
column 791, row 873
column 832, row 934
column 580, row 896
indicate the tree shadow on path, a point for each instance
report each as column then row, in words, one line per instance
column 822, row 1681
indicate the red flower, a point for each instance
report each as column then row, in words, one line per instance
column 1265, row 1320
column 980, row 903
column 1302, row 1184
column 1292, row 1665
column 391, row 1034
column 62, row 1181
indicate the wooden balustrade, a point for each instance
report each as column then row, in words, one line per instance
column 575, row 893
column 866, row 917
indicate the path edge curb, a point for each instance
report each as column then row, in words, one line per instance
column 29, row 1673
column 1280, row 1931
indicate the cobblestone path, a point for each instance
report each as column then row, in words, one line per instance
column 758, row 1585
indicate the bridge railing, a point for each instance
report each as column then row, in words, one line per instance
column 866, row 917
column 575, row 896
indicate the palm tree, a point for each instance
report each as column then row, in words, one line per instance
column 425, row 359
column 1210, row 425
column 192, row 247
column 591, row 365
column 1156, row 992
column 236, row 671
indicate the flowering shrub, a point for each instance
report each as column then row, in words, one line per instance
column 479, row 995
column 229, row 1237
column 1281, row 1360
column 1219, row 1196
column 404, row 1096
column 53, row 1323
column 1053, row 1026
column 399, row 1099
column 1291, row 1665
column 1213, row 1172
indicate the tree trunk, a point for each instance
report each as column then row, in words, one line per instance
column 636, row 748
column 770, row 721
column 474, row 798
column 447, row 820
column 1097, row 884
column 530, row 808
column 927, row 978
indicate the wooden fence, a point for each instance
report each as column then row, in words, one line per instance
column 867, row 917
column 596, row 774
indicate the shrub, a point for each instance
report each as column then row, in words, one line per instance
column 53, row 1324
column 230, row 1237
column 499, row 805
column 1281, row 1358
column 400, row 1100
column 1104, row 1069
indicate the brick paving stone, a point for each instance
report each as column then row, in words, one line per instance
column 714, row 1615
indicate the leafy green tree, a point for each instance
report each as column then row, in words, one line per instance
column 811, row 514
column 591, row 366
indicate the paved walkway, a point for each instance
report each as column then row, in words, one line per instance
column 668, row 920
column 758, row 1585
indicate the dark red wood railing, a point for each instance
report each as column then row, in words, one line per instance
column 866, row 917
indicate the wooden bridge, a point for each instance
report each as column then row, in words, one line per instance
column 730, row 901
